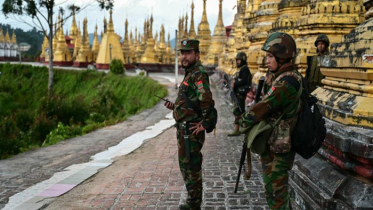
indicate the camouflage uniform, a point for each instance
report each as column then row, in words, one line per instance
column 242, row 79
column 313, row 73
column 279, row 96
column 197, row 88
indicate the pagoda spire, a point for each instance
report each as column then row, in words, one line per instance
column 1, row 35
column 204, row 33
column 13, row 39
column 85, row 55
column 111, row 24
column 192, row 32
column 73, row 29
column 218, row 40
column 186, row 26
column 95, row 45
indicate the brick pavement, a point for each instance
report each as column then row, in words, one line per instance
column 149, row 178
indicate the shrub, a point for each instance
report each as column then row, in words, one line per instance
column 116, row 66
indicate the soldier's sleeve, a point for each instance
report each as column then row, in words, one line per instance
column 279, row 96
column 204, row 96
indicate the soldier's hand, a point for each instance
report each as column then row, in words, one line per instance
column 169, row 105
column 196, row 128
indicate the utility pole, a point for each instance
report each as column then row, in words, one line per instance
column 176, row 62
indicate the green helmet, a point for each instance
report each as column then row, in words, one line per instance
column 323, row 38
column 281, row 45
column 241, row 56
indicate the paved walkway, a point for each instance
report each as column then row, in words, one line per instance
column 149, row 177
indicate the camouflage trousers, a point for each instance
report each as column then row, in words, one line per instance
column 236, row 111
column 191, row 169
column 275, row 177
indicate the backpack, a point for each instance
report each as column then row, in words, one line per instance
column 310, row 131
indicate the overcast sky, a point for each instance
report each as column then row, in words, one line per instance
column 165, row 12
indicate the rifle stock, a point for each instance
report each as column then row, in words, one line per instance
column 244, row 146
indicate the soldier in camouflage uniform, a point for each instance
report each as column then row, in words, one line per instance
column 313, row 73
column 281, row 93
column 190, row 124
column 241, row 86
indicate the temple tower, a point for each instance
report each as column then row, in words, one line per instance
column 265, row 16
column 85, row 55
column 149, row 55
column 192, row 32
column 110, row 47
column 2, row 44
column 342, row 174
column 218, row 40
column 95, row 44
column 204, row 34
column 73, row 29
column 62, row 55
column 126, row 46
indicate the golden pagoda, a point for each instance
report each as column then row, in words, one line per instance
column 138, row 51
column 149, row 55
column 78, row 41
column 185, row 35
column 110, row 47
column 168, row 54
column 95, row 45
column 7, row 37
column 326, row 17
column 126, row 46
column 218, row 40
column 265, row 16
column 73, row 30
column 62, row 55
column 2, row 39
column 55, row 38
column 13, row 40
column 344, row 163
column 135, row 51
column 204, row 34
column 85, row 55
column 44, row 48
column 229, row 56
column 239, row 28
column 192, row 32
column 245, row 30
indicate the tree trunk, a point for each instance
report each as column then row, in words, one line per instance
column 50, row 38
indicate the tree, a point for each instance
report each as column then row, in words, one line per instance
column 41, row 12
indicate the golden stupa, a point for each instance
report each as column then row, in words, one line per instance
column 192, row 31
column 126, row 44
column 85, row 55
column 218, row 40
column 204, row 34
column 73, row 30
column 110, row 47
column 62, row 55
column 95, row 45
column 149, row 55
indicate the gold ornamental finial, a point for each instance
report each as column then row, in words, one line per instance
column 111, row 24
column 192, row 32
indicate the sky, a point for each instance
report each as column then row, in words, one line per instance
column 165, row 12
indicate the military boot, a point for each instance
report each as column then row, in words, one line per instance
column 188, row 207
column 234, row 133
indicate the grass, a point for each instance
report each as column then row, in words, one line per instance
column 82, row 102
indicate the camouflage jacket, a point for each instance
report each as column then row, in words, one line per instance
column 313, row 73
column 196, row 86
column 278, row 96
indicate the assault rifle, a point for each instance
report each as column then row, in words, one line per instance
column 227, row 84
column 244, row 146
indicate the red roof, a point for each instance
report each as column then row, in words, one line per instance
column 68, row 38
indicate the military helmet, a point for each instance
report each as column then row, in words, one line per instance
column 323, row 38
column 241, row 56
column 281, row 45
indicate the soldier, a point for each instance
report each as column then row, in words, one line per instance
column 192, row 112
column 313, row 73
column 281, row 101
column 241, row 87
